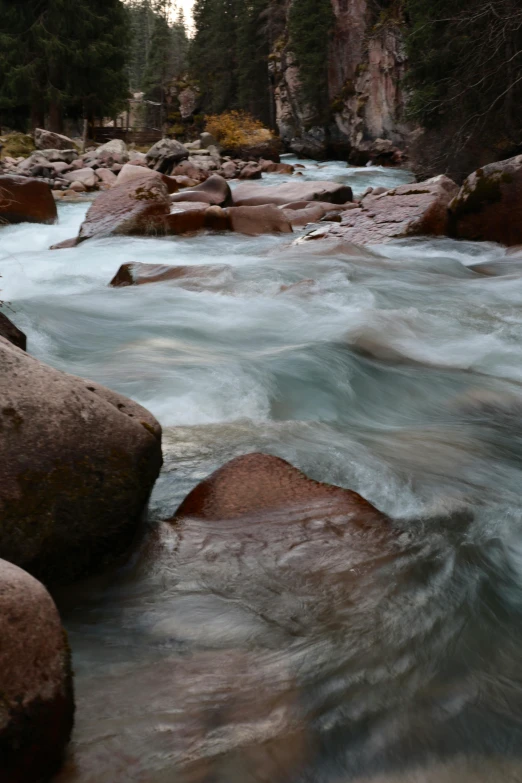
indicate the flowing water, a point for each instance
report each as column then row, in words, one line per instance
column 224, row 655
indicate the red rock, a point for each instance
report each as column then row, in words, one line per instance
column 229, row 170
column 409, row 210
column 132, row 171
column 187, row 169
column 37, row 705
column 136, row 207
column 250, row 171
column 215, row 190
column 12, row 333
column 260, row 484
column 184, row 182
column 249, row 194
column 65, row 244
column 186, row 217
column 488, row 206
column 269, row 167
column 254, row 221
column 25, row 200
column 136, row 273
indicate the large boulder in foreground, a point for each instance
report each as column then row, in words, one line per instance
column 260, row 484
column 409, row 210
column 12, row 333
column 36, row 704
column 137, row 206
column 24, row 200
column 78, row 463
column 251, row 194
column 165, row 154
column 192, row 277
column 47, row 140
column 488, row 206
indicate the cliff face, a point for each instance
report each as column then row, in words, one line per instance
column 366, row 63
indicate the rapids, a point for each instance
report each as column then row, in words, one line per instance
column 215, row 656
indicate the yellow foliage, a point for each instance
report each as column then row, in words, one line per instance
column 235, row 129
column 16, row 145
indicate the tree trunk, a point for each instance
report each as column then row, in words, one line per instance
column 55, row 117
column 37, row 117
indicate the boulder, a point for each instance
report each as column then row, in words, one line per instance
column 66, row 243
column 24, row 200
column 190, row 276
column 184, row 182
column 269, row 167
column 138, row 206
column 36, row 165
column 37, row 704
column 12, row 333
column 251, row 221
column 78, row 465
column 409, row 210
column 488, row 206
column 251, row 171
column 106, row 176
column 113, row 148
column 46, row 140
column 87, row 177
column 259, row 485
column 188, row 169
column 186, row 217
column 165, row 154
column 207, row 140
column 59, row 156
column 229, row 169
column 215, row 190
column 130, row 171
column 255, row 195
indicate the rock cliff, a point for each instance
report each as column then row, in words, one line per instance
column 366, row 63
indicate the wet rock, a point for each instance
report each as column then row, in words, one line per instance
column 255, row 221
column 409, row 210
column 129, row 172
column 165, row 154
column 251, row 171
column 215, row 190
column 229, row 170
column 260, row 484
column 25, row 200
column 65, row 244
column 135, row 207
column 270, row 167
column 301, row 288
column 255, row 195
column 78, row 465
column 489, row 204
column 136, row 273
column 46, row 140
column 37, row 706
column 186, row 217
column 12, row 333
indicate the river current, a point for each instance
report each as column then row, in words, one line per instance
column 395, row 371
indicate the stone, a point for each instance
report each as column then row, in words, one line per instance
column 260, row 484
column 186, row 217
column 12, row 333
column 25, row 200
column 270, row 167
column 165, row 154
column 188, row 169
column 78, row 187
column 253, row 221
column 184, row 182
column 207, row 140
column 136, row 273
column 60, row 167
column 46, row 140
column 66, row 243
column 215, row 190
column 488, row 206
column 37, row 704
column 410, row 210
column 129, row 172
column 59, row 156
column 78, row 465
column 251, row 171
column 115, row 147
column 301, row 217
column 255, row 195
column 136, row 207
column 188, row 102
column 137, row 158
column 36, row 165
column 229, row 170
column 106, row 176
column 86, row 176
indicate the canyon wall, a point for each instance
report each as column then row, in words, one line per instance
column 366, row 65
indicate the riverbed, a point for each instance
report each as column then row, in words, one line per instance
column 394, row 371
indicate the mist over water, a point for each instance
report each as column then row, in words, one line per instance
column 229, row 655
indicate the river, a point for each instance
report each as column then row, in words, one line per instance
column 395, row 371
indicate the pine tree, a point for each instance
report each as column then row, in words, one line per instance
column 61, row 57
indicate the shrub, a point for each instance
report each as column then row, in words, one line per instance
column 235, row 129
column 16, row 145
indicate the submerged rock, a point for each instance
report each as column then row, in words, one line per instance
column 78, row 465
column 254, row 221
column 12, row 333
column 136, row 273
column 36, row 704
column 25, row 200
column 488, row 206
column 409, row 210
column 249, row 194
column 261, row 485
